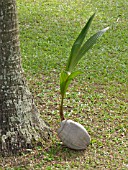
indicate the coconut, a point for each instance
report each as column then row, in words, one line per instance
column 73, row 135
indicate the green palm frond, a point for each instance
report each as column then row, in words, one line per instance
column 77, row 44
column 77, row 52
column 65, row 80
column 86, row 46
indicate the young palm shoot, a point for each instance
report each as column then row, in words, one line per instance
column 78, row 50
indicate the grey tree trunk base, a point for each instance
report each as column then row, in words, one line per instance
column 20, row 123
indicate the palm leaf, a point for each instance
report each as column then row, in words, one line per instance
column 87, row 45
column 65, row 80
column 77, row 44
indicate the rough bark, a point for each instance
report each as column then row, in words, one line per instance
column 20, row 124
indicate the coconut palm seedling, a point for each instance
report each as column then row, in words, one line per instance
column 78, row 50
column 71, row 133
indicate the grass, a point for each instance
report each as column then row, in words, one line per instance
column 98, row 99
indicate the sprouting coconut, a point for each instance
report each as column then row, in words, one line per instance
column 71, row 133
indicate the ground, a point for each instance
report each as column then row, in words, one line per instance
column 97, row 99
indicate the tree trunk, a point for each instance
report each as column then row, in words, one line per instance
column 20, row 124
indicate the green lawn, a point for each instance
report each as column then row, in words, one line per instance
column 97, row 99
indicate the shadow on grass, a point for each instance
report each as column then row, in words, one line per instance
column 59, row 153
column 56, row 153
